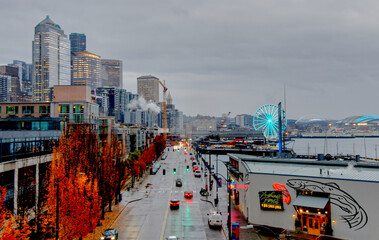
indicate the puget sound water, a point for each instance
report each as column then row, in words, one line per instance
column 365, row 147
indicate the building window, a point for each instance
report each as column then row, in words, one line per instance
column 12, row 110
column 78, row 118
column 64, row 108
column 27, row 109
column 44, row 109
column 78, row 108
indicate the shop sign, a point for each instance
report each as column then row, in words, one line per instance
column 271, row 200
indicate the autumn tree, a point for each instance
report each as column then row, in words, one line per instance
column 110, row 174
column 160, row 144
column 79, row 200
column 11, row 227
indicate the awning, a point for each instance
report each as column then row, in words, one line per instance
column 310, row 201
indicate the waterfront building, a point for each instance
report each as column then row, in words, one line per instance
column 78, row 42
column 244, row 120
column 314, row 196
column 111, row 73
column 51, row 60
column 148, row 88
column 86, row 69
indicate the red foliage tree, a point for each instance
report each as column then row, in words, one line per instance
column 78, row 193
column 11, row 227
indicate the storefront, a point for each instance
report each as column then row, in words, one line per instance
column 316, row 197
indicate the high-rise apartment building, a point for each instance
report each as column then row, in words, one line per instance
column 51, row 60
column 148, row 88
column 86, row 69
column 111, row 73
column 78, row 42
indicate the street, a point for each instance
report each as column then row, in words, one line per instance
column 152, row 218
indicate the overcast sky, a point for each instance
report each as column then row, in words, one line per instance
column 218, row 56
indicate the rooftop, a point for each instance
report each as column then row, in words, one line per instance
column 311, row 168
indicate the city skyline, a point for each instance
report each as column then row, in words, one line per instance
column 213, row 62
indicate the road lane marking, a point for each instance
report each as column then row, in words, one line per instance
column 166, row 215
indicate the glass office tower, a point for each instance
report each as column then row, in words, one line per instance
column 78, row 42
column 86, row 69
column 51, row 60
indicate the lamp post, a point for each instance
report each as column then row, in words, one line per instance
column 216, row 200
column 229, row 196
column 57, row 181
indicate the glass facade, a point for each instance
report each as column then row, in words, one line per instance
column 86, row 69
column 78, row 42
column 51, row 60
column 111, row 71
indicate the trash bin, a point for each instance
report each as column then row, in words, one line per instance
column 235, row 231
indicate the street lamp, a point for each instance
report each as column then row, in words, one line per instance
column 229, row 195
column 57, row 181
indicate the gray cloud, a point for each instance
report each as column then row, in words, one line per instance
column 220, row 55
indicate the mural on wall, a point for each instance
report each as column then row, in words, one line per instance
column 356, row 217
column 286, row 194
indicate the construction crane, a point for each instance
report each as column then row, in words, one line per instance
column 219, row 126
column 164, row 110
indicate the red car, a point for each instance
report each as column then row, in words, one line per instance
column 174, row 204
column 188, row 194
column 195, row 168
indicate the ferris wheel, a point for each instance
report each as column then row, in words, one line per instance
column 266, row 119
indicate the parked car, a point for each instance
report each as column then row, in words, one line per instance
column 179, row 182
column 215, row 219
column 197, row 173
column 188, row 194
column 174, row 204
column 110, row 233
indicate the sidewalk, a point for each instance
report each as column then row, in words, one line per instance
column 135, row 194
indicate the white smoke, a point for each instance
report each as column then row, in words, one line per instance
column 144, row 106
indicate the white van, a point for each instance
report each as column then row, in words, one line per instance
column 197, row 173
column 215, row 219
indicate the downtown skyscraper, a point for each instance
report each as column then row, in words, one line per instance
column 111, row 73
column 78, row 42
column 148, row 87
column 51, row 60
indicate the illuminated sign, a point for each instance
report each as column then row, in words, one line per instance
column 286, row 194
column 271, row 200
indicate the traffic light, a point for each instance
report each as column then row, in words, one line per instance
column 187, row 168
column 174, row 170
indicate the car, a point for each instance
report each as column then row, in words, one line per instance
column 193, row 164
column 195, row 168
column 179, row 182
column 172, row 238
column 215, row 219
column 174, row 204
column 188, row 194
column 197, row 173
column 110, row 233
